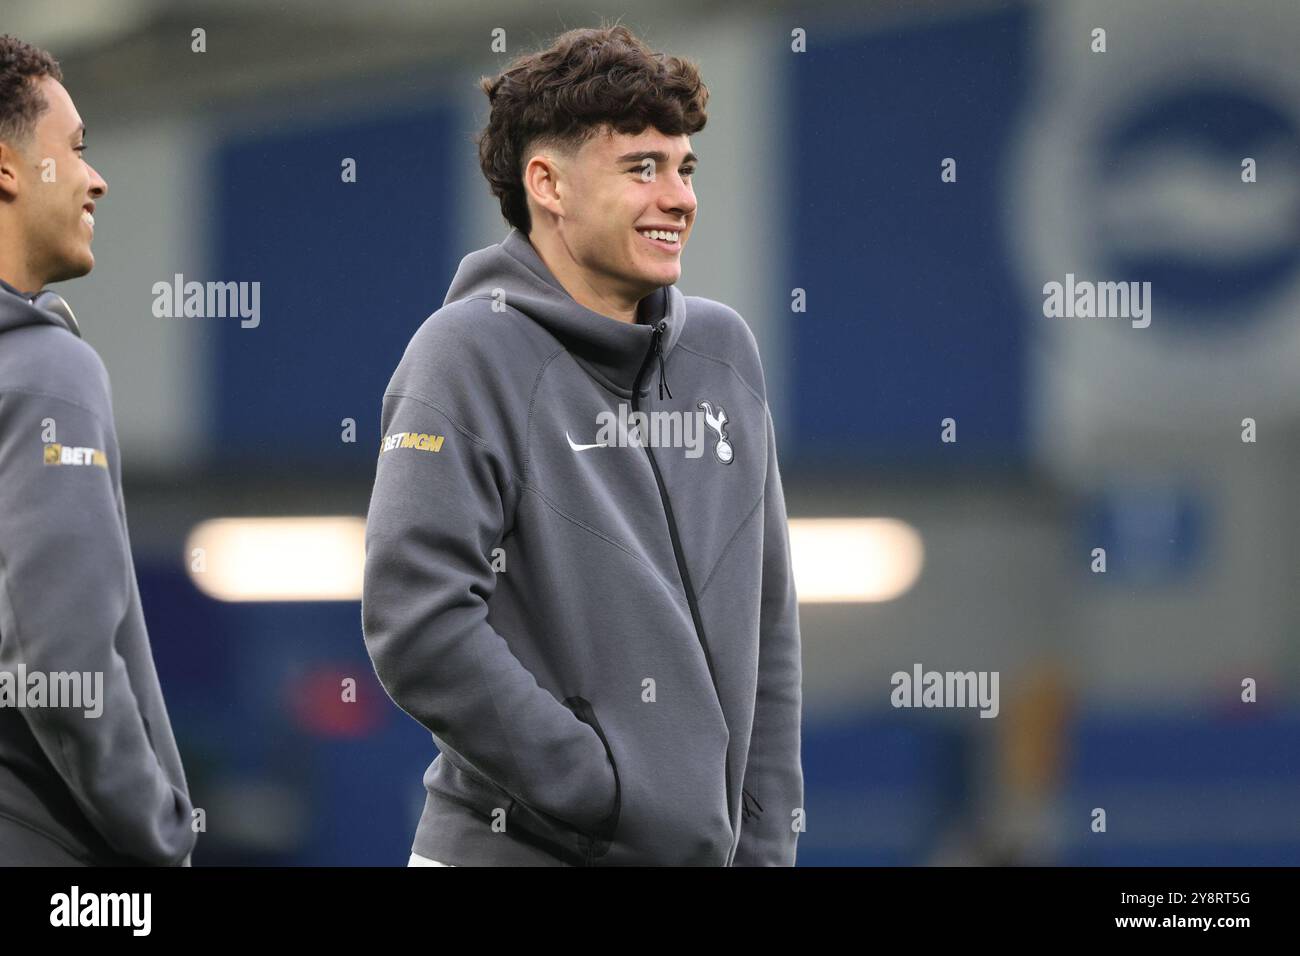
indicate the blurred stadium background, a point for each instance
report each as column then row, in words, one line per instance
column 821, row 172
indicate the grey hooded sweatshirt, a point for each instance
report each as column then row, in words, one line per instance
column 76, row 786
column 593, row 616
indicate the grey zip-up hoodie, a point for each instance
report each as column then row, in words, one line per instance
column 74, row 788
column 602, row 637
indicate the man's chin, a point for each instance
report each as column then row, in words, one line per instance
column 652, row 279
column 73, row 268
column 668, row 277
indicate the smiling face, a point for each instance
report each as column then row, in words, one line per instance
column 597, row 208
column 56, row 192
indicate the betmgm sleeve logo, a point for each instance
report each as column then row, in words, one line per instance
column 58, row 454
column 416, row 440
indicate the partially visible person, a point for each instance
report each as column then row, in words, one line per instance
column 98, row 782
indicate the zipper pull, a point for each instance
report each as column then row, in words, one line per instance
column 659, row 351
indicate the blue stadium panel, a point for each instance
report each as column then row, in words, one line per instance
column 913, row 315
column 1186, row 789
column 288, row 770
column 881, row 791
column 348, row 271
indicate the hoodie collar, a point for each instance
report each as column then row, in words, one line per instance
column 17, row 311
column 610, row 351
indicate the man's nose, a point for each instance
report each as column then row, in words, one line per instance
column 681, row 197
column 98, row 186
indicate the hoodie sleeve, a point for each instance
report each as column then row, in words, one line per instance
column 66, row 585
column 438, row 509
column 773, row 785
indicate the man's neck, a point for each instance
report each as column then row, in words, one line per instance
column 576, row 281
column 10, row 287
column 13, row 264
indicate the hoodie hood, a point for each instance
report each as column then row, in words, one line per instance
column 17, row 311
column 609, row 350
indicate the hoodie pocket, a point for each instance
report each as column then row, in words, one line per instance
column 563, row 840
column 604, row 834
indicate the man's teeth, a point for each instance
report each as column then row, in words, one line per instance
column 88, row 218
column 660, row 234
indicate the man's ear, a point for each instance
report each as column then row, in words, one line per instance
column 10, row 161
column 542, row 184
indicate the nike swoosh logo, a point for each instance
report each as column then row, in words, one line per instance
column 577, row 447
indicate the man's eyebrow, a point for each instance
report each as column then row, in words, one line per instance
column 657, row 155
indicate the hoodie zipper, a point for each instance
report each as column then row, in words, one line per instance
column 656, row 351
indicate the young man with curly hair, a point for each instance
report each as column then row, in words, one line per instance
column 97, row 782
column 578, row 578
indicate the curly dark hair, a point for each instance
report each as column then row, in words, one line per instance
column 21, row 103
column 561, row 96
